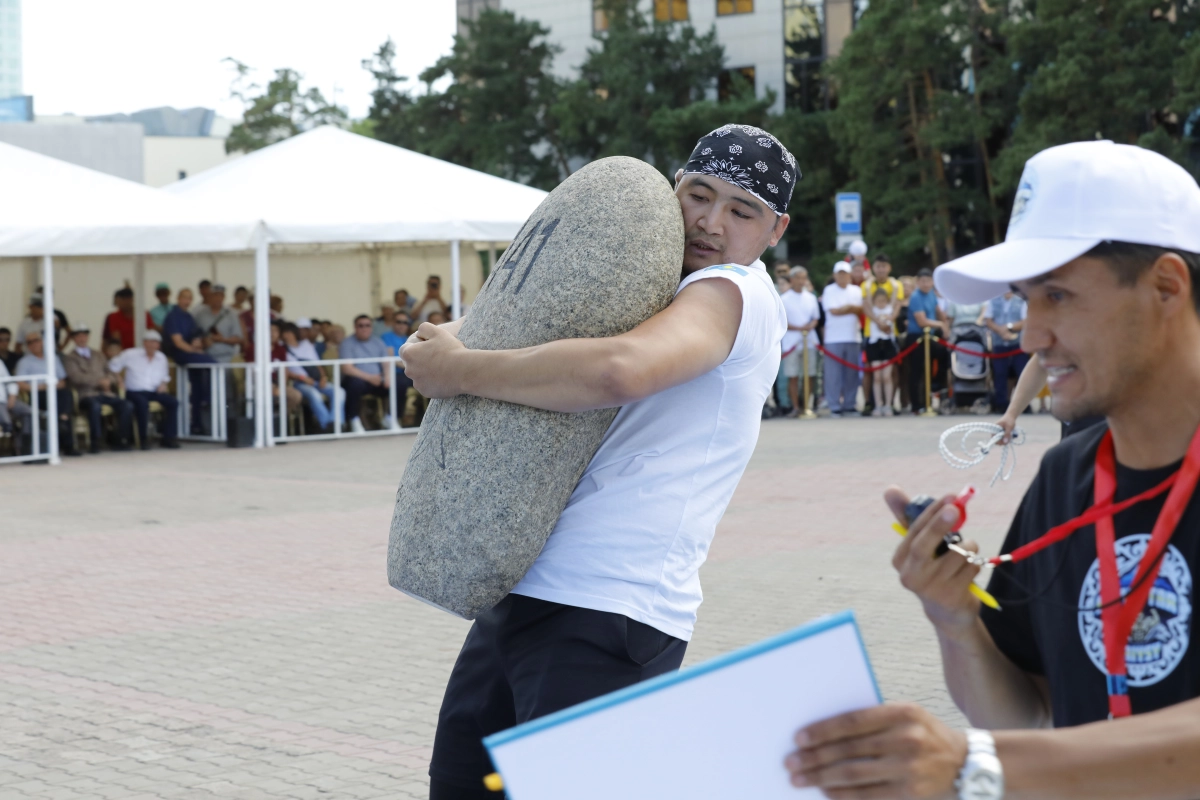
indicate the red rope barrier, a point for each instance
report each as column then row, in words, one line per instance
column 895, row 360
column 981, row 354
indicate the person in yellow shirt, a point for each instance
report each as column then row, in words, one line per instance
column 881, row 271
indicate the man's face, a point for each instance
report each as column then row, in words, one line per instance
column 842, row 277
column 35, row 312
column 882, row 270
column 400, row 299
column 434, row 285
column 437, row 318
column 1094, row 337
column 925, row 283
column 151, row 345
column 289, row 338
column 723, row 224
column 5, row 341
column 362, row 330
column 856, row 272
column 184, row 300
column 239, row 296
column 216, row 299
column 34, row 345
column 306, row 333
column 80, row 339
column 781, row 271
column 401, row 326
column 163, row 295
column 799, row 281
column 124, row 304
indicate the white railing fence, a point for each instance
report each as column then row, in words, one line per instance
column 37, row 452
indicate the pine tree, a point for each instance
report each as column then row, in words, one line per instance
column 277, row 111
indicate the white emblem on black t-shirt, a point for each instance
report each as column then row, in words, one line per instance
column 1159, row 639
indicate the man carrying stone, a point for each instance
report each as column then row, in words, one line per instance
column 612, row 598
column 88, row 375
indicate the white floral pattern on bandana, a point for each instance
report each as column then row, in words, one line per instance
column 755, row 161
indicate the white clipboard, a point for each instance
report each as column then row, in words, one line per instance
column 717, row 730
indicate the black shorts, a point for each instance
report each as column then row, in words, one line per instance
column 527, row 658
column 882, row 350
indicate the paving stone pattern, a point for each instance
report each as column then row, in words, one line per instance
column 211, row 623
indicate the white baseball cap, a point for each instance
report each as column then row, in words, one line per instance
column 304, row 322
column 1071, row 198
column 152, row 336
column 841, row 266
column 858, row 248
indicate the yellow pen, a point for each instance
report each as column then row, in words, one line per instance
column 984, row 596
column 493, row 782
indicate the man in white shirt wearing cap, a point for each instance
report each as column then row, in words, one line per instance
column 1096, row 583
column 843, row 302
column 145, row 374
column 612, row 598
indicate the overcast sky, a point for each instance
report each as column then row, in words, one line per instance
column 87, row 57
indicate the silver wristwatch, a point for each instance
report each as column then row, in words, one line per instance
column 981, row 776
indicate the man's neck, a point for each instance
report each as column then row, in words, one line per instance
column 1155, row 427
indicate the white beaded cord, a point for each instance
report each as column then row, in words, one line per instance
column 976, row 442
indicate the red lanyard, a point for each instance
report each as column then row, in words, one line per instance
column 1119, row 615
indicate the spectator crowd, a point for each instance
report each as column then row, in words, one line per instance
column 110, row 390
column 860, row 342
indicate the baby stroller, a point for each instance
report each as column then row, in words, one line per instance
column 970, row 374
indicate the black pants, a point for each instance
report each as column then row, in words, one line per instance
column 141, row 407
column 94, row 406
column 527, row 658
column 355, row 389
column 938, row 355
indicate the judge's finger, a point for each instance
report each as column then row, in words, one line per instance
column 863, row 722
column 868, row 772
column 870, row 746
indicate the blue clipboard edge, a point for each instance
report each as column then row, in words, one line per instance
column 819, row 625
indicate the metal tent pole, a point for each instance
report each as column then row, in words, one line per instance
column 455, row 281
column 262, row 340
column 50, row 349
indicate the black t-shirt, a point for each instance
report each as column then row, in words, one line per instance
column 1049, row 637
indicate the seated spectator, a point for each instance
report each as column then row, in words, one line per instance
column 398, row 335
column 118, row 326
column 144, row 374
column 34, row 363
column 363, row 379
column 403, row 302
column 383, row 323
column 219, row 326
column 159, row 313
column 11, row 405
column 310, row 381
column 88, row 375
column 279, row 355
column 334, row 335
column 34, row 322
column 316, row 336
column 433, row 301
column 183, row 342
column 241, row 295
column 307, row 331
column 276, row 307
column 246, row 318
column 395, row 339
column 8, row 357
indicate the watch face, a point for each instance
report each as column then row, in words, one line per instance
column 981, row 785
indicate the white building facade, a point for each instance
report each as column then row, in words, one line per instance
column 778, row 45
column 10, row 49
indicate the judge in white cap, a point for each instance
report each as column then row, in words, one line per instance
column 1094, row 635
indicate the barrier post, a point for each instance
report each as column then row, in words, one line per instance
column 808, row 398
column 928, row 412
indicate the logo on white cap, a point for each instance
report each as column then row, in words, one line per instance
column 1024, row 199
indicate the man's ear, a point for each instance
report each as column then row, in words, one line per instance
column 779, row 229
column 678, row 176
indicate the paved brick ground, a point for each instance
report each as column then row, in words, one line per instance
column 217, row 624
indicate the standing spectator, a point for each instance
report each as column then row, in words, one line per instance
column 8, row 357
column 33, row 322
column 962, row 313
column 144, row 374
column 433, row 301
column 880, row 278
column 89, row 376
column 803, row 314
column 403, row 302
column 220, row 326
column 1005, row 316
column 276, row 307
column 246, row 318
column 783, row 283
column 436, row 318
column 923, row 312
column 843, row 338
column 909, row 283
column 309, row 380
column 362, row 379
column 183, row 341
column 118, row 326
column 34, row 363
column 204, row 286
column 881, row 347
column 241, row 296
column 162, row 291
column 857, row 259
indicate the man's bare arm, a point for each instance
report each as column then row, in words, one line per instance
column 690, row 337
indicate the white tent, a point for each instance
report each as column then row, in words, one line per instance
column 51, row 208
column 332, row 186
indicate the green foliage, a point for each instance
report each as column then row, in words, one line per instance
column 277, row 111
column 812, row 231
column 493, row 114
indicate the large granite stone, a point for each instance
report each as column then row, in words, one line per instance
column 486, row 481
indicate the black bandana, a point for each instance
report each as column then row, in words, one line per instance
column 750, row 159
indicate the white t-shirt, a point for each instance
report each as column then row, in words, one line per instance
column 801, row 308
column 842, row 328
column 886, row 332
column 639, row 523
